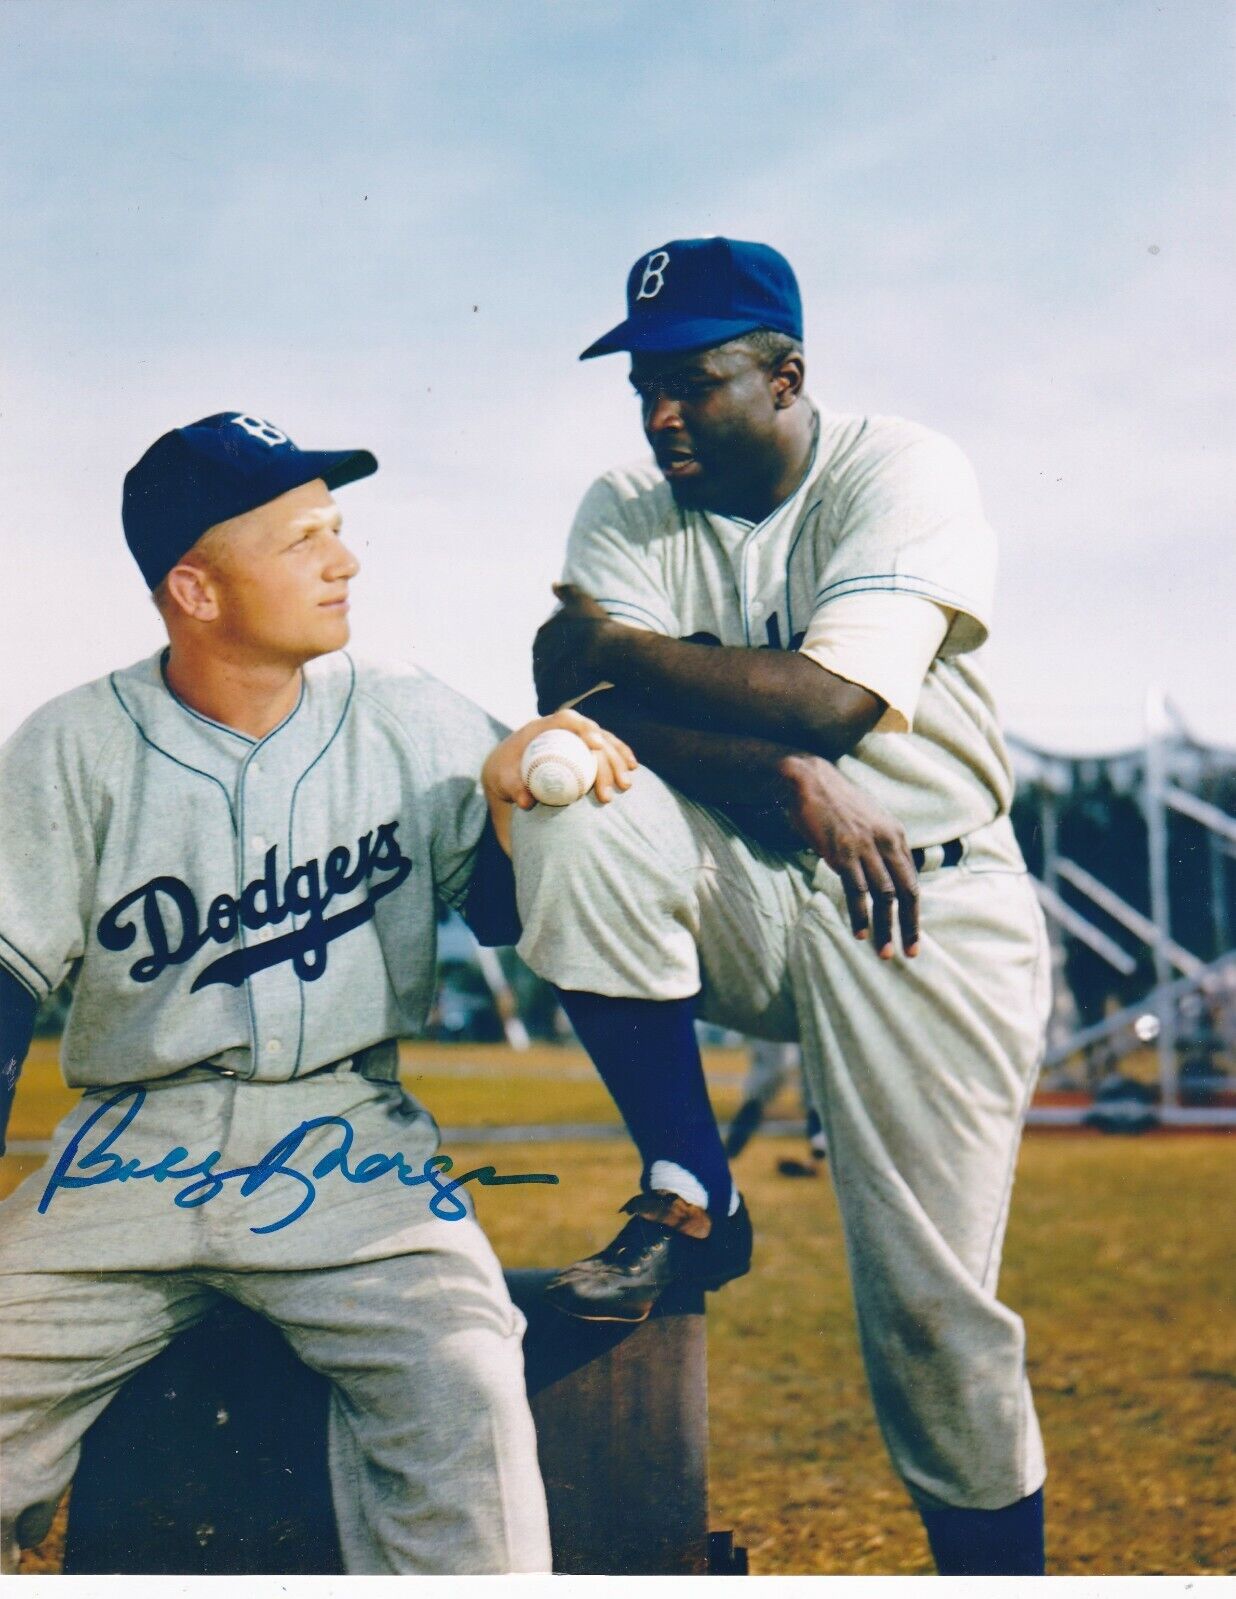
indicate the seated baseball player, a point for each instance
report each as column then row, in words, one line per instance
column 235, row 848
column 778, row 613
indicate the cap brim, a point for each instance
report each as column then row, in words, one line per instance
column 337, row 467
column 334, row 467
column 290, row 471
column 670, row 335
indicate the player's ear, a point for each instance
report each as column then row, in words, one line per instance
column 191, row 592
column 788, row 377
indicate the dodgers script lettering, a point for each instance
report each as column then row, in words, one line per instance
column 176, row 930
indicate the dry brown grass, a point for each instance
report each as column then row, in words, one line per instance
column 1119, row 1257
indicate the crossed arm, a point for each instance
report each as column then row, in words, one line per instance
column 752, row 730
column 776, row 695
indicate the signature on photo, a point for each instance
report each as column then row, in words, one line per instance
column 102, row 1163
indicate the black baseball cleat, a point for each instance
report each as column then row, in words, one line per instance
column 660, row 1245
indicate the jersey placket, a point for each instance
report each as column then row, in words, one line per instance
column 760, row 562
column 758, row 565
column 263, row 801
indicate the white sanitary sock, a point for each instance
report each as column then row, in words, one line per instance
column 674, row 1179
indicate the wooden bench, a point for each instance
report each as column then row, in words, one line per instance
column 203, row 1465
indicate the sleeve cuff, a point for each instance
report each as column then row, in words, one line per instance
column 884, row 643
column 23, row 970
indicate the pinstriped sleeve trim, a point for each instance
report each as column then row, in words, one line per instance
column 891, row 583
column 628, row 611
column 910, row 521
column 966, row 630
column 884, row 643
column 23, row 970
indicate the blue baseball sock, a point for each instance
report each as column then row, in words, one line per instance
column 648, row 1058
column 988, row 1543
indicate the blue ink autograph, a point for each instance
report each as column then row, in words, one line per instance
column 445, row 1203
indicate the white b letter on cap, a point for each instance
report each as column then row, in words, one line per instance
column 257, row 429
column 654, row 275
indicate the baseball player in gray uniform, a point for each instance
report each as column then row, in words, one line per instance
column 779, row 613
column 235, row 849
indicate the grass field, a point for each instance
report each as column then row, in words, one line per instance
column 1119, row 1257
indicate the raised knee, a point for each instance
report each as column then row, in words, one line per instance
column 587, row 829
column 546, row 830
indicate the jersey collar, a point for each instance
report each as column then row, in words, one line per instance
column 192, row 741
column 748, row 528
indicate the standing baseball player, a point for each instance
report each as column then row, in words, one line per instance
column 235, row 848
column 780, row 614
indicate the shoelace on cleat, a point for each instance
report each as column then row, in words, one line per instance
column 636, row 1237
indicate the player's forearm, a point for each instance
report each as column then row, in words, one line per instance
column 774, row 696
column 713, row 767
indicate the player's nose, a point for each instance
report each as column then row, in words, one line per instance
column 344, row 565
column 661, row 413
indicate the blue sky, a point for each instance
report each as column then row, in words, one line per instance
column 397, row 224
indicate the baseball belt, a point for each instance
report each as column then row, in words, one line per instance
column 933, row 856
column 377, row 1062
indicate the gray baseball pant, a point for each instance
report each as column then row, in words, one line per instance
column 432, row 1451
column 921, row 1070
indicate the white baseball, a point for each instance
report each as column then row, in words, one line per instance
column 558, row 767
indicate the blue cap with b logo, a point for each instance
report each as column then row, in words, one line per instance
column 693, row 293
column 211, row 471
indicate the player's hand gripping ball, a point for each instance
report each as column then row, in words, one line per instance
column 555, row 759
column 558, row 767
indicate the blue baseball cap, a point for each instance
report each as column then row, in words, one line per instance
column 693, row 293
column 213, row 470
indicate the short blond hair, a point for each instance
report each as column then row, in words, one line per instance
column 209, row 550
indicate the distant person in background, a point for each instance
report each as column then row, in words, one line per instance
column 772, row 1066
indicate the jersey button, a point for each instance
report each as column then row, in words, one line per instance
column 258, row 844
column 274, row 1046
column 757, row 607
